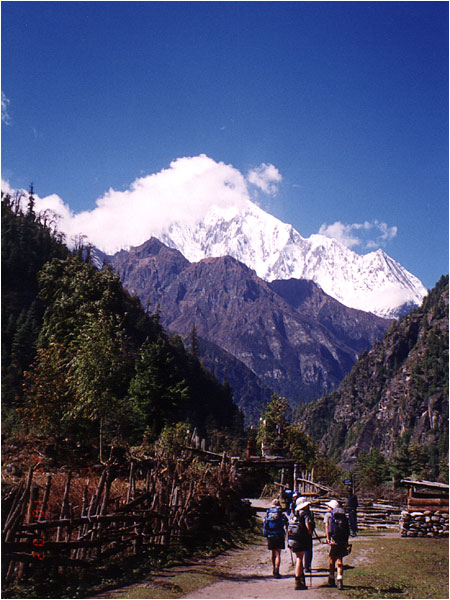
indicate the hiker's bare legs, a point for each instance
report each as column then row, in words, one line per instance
column 276, row 559
column 299, row 564
column 331, row 567
column 340, row 569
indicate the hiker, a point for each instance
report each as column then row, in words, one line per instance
column 300, row 530
column 352, row 505
column 295, row 496
column 337, row 532
column 274, row 525
column 287, row 497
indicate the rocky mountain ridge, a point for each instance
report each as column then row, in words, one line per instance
column 397, row 391
column 297, row 340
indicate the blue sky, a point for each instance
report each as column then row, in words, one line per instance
column 347, row 100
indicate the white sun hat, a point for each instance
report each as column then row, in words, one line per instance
column 302, row 502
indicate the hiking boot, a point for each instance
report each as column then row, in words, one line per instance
column 340, row 584
column 300, row 583
column 331, row 582
column 276, row 574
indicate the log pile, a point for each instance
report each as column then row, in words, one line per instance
column 371, row 515
column 163, row 502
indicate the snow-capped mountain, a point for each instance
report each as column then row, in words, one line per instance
column 373, row 282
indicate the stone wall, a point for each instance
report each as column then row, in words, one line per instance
column 425, row 523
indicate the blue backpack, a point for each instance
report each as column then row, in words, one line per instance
column 273, row 525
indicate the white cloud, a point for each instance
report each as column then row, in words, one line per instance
column 6, row 188
column 184, row 192
column 367, row 235
column 5, row 115
column 266, row 177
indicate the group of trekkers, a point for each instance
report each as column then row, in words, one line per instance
column 298, row 526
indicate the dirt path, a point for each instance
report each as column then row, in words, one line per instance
column 241, row 573
column 248, row 574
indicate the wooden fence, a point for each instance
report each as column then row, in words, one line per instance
column 377, row 514
column 160, row 503
column 371, row 514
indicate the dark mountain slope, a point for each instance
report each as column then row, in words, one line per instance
column 299, row 349
column 356, row 328
column 148, row 269
column 397, row 391
column 248, row 390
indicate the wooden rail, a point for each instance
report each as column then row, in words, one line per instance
column 162, row 505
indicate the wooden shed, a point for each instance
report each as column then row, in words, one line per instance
column 427, row 495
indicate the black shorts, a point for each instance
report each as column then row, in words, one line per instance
column 275, row 543
column 299, row 545
column 337, row 551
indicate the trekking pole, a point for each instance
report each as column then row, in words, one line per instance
column 319, row 538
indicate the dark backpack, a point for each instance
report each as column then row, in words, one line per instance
column 297, row 530
column 273, row 525
column 338, row 526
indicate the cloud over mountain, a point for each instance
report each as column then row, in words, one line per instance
column 185, row 192
column 366, row 235
column 266, row 178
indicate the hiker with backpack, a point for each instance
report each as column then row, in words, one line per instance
column 274, row 525
column 300, row 531
column 337, row 532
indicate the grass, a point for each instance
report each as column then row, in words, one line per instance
column 398, row 568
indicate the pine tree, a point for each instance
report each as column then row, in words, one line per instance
column 194, row 342
column 49, row 393
column 100, row 371
column 158, row 388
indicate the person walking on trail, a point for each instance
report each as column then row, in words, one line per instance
column 291, row 510
column 352, row 505
column 308, row 556
column 337, row 532
column 274, row 525
column 300, row 531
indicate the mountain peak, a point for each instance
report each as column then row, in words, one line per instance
column 275, row 250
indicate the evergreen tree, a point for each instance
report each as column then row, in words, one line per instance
column 49, row 394
column 100, row 371
column 194, row 342
column 372, row 468
column 158, row 389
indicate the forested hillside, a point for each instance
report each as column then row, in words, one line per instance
column 83, row 364
column 394, row 402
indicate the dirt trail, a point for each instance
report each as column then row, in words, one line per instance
column 248, row 574
column 244, row 573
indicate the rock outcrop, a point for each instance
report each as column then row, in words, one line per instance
column 399, row 389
